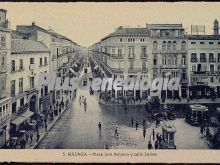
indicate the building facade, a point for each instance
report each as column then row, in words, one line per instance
column 5, row 99
column 155, row 51
column 28, row 59
column 204, row 64
column 168, row 57
column 125, row 54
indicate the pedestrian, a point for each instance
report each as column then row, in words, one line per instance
column 149, row 145
column 100, row 126
column 207, row 132
column 157, row 137
column 153, row 134
column 143, row 122
column 37, row 128
column 201, row 131
column 27, row 136
column 38, row 136
column 31, row 137
column 144, row 132
column 156, row 145
column 116, row 131
column 106, row 146
column 132, row 122
column 45, row 126
column 136, row 125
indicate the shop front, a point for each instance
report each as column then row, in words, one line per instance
column 21, row 121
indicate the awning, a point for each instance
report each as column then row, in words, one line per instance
column 21, row 118
column 27, row 114
column 18, row 120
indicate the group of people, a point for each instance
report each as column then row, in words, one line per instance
column 205, row 132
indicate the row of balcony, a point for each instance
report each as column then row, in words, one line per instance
column 155, row 51
column 205, row 73
column 121, row 56
column 205, row 60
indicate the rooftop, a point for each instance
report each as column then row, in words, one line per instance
column 203, row 37
column 26, row 46
column 164, row 26
column 128, row 32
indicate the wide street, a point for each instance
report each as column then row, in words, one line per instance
column 78, row 128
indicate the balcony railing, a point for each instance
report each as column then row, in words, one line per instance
column 199, row 83
column 194, row 59
column 116, row 56
column 212, row 59
column 32, row 66
column 143, row 55
column 205, row 73
column 203, row 59
column 20, row 69
column 131, row 56
column 3, row 69
column 165, row 51
column 135, row 70
column 4, row 119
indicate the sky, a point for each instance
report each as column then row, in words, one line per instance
column 87, row 22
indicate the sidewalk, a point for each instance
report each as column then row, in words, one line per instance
column 168, row 101
column 43, row 132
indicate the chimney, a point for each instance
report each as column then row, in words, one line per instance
column 33, row 23
column 216, row 27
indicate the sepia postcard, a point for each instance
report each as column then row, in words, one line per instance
column 125, row 82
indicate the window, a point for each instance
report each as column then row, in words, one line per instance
column 131, row 50
column 143, row 65
column 31, row 60
column 45, row 60
column 13, row 88
column 31, row 82
column 174, row 45
column 202, row 57
column 22, row 101
column 120, row 39
column 13, row 65
column 193, row 68
column 168, row 45
column 212, row 68
column 41, row 62
column 218, row 57
column 3, row 41
column 210, row 43
column 131, row 64
column 119, row 52
column 164, row 61
column 184, row 61
column 155, row 45
column 218, row 43
column 193, row 43
column 3, row 62
column 212, row 79
column 155, row 61
column 21, row 67
column 211, row 56
column 164, row 45
column 20, row 85
column 183, row 45
column 143, row 50
column 202, row 43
